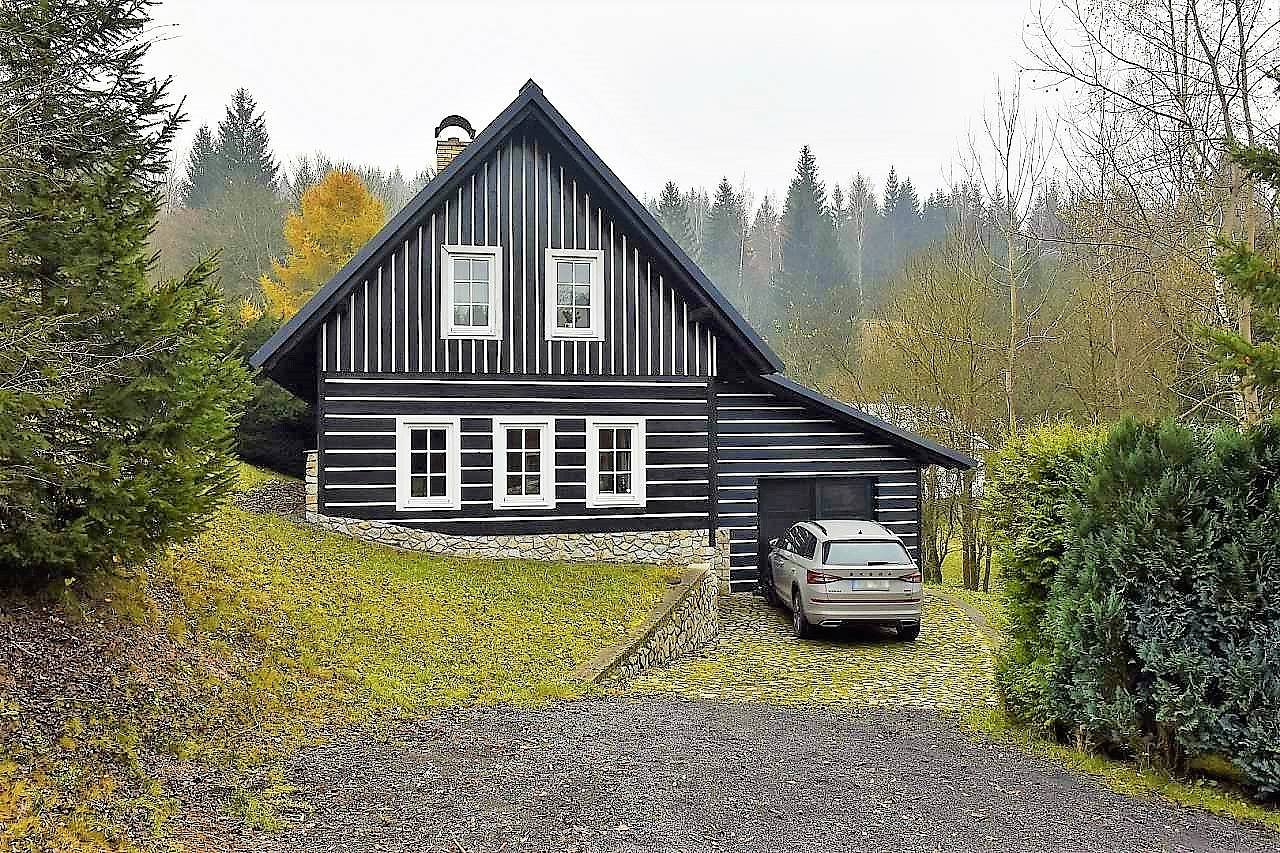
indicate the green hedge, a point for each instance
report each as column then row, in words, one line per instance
column 1147, row 608
column 1034, row 484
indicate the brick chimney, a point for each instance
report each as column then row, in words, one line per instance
column 447, row 149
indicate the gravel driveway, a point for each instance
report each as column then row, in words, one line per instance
column 670, row 773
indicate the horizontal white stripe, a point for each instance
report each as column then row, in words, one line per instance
column 742, row 501
column 818, row 459
column 535, row 400
column 466, row 415
column 439, row 520
column 810, row 474
column 805, row 446
column 358, row 380
column 776, row 435
column 772, row 421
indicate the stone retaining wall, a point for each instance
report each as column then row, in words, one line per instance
column 664, row 547
column 687, row 618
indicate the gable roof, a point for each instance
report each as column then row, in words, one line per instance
column 928, row 451
column 281, row 355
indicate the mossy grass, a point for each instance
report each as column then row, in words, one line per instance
column 261, row 635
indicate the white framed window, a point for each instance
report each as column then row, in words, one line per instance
column 471, row 305
column 428, row 463
column 615, row 462
column 575, row 294
column 524, row 463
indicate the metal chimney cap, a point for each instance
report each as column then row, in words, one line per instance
column 458, row 122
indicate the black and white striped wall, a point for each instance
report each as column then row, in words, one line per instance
column 357, row 449
column 525, row 198
column 761, row 435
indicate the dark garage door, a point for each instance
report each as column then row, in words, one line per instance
column 782, row 501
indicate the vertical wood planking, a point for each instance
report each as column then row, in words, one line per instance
column 524, row 198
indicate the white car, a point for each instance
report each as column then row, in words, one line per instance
column 831, row 573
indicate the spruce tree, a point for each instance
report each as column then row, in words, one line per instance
column 722, row 245
column 203, row 174
column 673, row 215
column 243, row 146
column 1254, row 359
column 120, row 443
column 811, row 262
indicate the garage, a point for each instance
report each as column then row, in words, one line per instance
column 783, row 501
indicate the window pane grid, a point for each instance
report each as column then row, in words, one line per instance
column 524, row 461
column 428, row 462
column 471, row 278
column 615, row 460
column 573, row 294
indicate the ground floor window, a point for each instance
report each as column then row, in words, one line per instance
column 427, row 463
column 615, row 462
column 523, row 463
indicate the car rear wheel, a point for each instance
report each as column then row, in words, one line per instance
column 908, row 631
column 799, row 621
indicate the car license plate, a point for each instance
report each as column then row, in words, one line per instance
column 868, row 584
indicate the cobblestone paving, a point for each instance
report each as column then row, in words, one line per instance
column 758, row 658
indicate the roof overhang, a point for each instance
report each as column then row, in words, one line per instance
column 922, row 448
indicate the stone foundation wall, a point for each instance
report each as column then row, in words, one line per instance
column 688, row 625
column 664, row 547
column 685, row 620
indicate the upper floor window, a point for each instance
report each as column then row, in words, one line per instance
column 427, row 463
column 575, row 294
column 471, row 306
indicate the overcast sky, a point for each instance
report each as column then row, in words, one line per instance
column 688, row 91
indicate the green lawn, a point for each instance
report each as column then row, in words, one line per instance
column 260, row 635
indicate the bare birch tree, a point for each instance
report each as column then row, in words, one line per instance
column 1162, row 90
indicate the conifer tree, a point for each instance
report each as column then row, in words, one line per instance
column 722, row 246
column 243, row 146
column 673, row 215
column 811, row 262
column 336, row 218
column 122, row 444
column 203, row 175
column 1252, row 353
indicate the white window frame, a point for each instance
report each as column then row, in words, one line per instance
column 639, row 491
column 546, row 498
column 449, row 331
column 596, row 330
column 452, row 498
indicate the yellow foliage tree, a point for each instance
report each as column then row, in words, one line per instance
column 338, row 216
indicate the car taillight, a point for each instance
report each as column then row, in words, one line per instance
column 914, row 577
column 817, row 577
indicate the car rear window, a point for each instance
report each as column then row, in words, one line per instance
column 865, row 553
